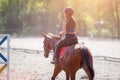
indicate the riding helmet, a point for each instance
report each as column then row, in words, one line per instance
column 68, row 10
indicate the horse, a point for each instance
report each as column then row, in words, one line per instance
column 76, row 56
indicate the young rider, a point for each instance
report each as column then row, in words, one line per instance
column 70, row 29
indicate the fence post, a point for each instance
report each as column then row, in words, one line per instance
column 6, row 60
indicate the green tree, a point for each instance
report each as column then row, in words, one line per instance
column 12, row 15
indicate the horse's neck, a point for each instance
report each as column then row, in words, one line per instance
column 54, row 42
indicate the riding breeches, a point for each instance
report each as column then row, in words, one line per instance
column 69, row 39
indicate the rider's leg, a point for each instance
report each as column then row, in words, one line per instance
column 59, row 45
column 64, row 42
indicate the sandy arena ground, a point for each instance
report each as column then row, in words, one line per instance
column 33, row 66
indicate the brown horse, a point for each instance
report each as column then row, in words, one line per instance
column 76, row 56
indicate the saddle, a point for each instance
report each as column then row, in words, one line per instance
column 68, row 43
column 62, row 52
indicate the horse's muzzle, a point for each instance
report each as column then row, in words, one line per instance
column 45, row 55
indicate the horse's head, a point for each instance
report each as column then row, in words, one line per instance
column 49, row 42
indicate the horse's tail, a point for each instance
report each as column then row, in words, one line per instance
column 87, row 58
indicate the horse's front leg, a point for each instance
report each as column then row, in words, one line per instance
column 72, row 74
column 67, row 75
column 57, row 70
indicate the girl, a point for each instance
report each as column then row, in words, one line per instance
column 70, row 29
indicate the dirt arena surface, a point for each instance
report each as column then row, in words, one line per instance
column 33, row 66
column 29, row 65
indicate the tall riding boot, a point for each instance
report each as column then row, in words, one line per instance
column 55, row 58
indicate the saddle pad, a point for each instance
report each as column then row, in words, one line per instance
column 62, row 52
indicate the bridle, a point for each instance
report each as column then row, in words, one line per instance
column 49, row 44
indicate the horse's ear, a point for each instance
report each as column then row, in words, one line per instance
column 45, row 35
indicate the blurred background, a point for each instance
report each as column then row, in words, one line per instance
column 24, row 18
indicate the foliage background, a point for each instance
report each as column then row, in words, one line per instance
column 32, row 17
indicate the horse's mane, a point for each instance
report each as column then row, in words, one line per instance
column 53, row 36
